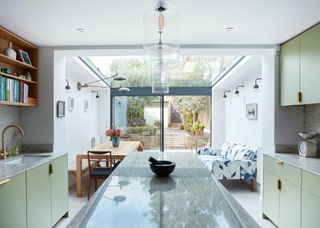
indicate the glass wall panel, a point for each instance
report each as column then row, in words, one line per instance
column 139, row 116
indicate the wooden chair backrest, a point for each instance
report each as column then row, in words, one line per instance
column 94, row 162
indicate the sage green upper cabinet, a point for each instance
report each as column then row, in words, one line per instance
column 38, row 197
column 289, row 72
column 300, row 69
column 310, row 65
column 13, row 208
column 59, row 189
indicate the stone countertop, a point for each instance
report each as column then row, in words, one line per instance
column 134, row 197
column 309, row 164
column 15, row 165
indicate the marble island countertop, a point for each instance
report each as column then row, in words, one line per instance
column 134, row 197
column 15, row 165
column 309, row 164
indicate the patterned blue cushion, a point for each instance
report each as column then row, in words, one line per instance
column 209, row 151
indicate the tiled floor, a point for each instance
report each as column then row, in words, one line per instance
column 250, row 201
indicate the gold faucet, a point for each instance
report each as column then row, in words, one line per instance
column 3, row 155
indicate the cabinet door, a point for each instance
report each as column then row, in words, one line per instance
column 310, row 65
column 38, row 197
column 59, row 189
column 290, row 205
column 13, row 208
column 271, row 197
column 289, row 72
column 310, row 210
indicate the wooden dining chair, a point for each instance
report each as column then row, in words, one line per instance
column 99, row 168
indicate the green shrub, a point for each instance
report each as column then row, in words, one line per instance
column 142, row 129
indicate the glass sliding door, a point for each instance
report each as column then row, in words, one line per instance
column 139, row 116
column 187, row 122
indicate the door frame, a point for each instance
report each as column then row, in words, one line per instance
column 147, row 91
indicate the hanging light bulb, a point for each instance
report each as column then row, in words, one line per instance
column 161, row 42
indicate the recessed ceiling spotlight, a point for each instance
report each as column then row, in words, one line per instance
column 80, row 30
column 229, row 29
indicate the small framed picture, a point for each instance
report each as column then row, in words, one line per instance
column 61, row 108
column 70, row 104
column 252, row 111
column 25, row 57
column 86, row 105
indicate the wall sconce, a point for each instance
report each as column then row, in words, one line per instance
column 115, row 77
column 97, row 96
column 224, row 93
column 256, row 86
column 237, row 89
column 68, row 85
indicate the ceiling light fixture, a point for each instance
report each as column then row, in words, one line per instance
column 161, row 42
column 97, row 96
column 68, row 87
column 115, row 77
column 256, row 86
column 80, row 30
column 123, row 89
column 237, row 89
column 229, row 29
column 225, row 93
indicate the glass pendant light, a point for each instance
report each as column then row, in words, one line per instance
column 160, row 80
column 161, row 34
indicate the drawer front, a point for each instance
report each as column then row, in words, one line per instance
column 283, row 170
column 311, row 182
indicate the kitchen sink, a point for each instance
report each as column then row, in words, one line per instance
column 25, row 159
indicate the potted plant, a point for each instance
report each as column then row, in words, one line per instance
column 114, row 134
column 198, row 128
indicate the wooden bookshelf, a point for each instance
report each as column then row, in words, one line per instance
column 9, row 103
column 17, row 66
column 18, row 78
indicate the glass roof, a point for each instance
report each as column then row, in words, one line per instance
column 192, row 71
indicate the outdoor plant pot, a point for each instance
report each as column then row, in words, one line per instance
column 198, row 132
column 115, row 141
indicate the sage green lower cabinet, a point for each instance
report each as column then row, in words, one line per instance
column 13, row 208
column 47, row 193
column 310, row 216
column 281, row 193
column 290, row 205
column 39, row 197
column 59, row 189
column 270, row 197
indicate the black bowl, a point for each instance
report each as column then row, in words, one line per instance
column 163, row 170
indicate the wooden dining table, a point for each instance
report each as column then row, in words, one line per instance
column 117, row 153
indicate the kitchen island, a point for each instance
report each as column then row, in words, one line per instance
column 134, row 197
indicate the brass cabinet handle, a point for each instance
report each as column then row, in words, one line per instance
column 299, row 97
column 280, row 162
column 4, row 181
column 279, row 184
column 50, row 169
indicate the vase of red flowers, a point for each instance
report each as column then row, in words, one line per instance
column 115, row 134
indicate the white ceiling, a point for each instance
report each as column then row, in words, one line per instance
column 120, row 22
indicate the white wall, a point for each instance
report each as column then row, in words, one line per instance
column 80, row 126
column 218, row 119
column 103, row 109
column 239, row 129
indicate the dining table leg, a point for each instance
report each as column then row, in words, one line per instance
column 79, row 176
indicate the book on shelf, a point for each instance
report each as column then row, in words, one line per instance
column 13, row 91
